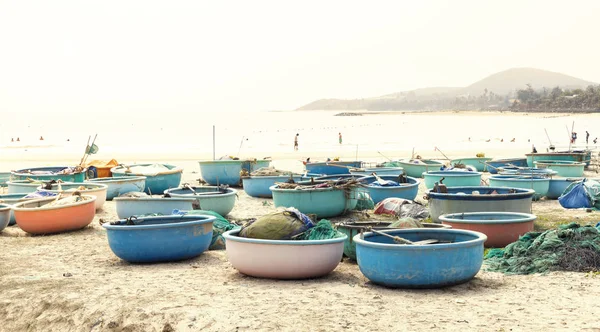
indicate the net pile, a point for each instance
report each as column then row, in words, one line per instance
column 323, row 230
column 270, row 171
column 570, row 247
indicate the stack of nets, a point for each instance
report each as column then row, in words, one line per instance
column 270, row 171
column 568, row 248
column 323, row 230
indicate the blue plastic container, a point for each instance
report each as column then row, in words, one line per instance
column 407, row 191
column 155, row 183
column 452, row 178
column 324, row 202
column 557, row 186
column 493, row 165
column 137, row 206
column 5, row 211
column 12, row 199
column 23, row 174
column 160, row 239
column 332, row 167
column 258, row 186
column 221, row 203
column 420, row 266
column 121, row 185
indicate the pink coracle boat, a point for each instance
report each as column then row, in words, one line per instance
column 36, row 217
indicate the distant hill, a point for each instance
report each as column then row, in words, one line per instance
column 499, row 85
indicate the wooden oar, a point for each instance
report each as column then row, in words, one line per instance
column 402, row 240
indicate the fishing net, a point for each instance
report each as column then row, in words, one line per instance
column 570, row 247
column 323, row 230
column 364, row 201
column 150, row 170
column 270, row 171
column 391, row 164
column 281, row 225
column 402, row 208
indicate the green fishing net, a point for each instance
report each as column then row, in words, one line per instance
column 323, row 230
column 391, row 164
column 570, row 247
column 364, row 202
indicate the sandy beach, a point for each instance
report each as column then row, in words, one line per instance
column 73, row 282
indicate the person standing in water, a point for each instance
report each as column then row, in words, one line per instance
column 296, row 142
column 340, row 135
column 587, row 137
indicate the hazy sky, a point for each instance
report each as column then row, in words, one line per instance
column 274, row 55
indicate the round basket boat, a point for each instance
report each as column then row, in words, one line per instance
column 416, row 167
column 479, row 199
column 405, row 190
column 4, row 177
column 5, row 211
column 120, row 185
column 494, row 165
column 477, row 162
column 97, row 190
column 452, row 178
column 49, row 173
column 562, row 167
column 35, row 217
column 207, row 198
column 22, row 186
column 501, row 228
column 283, row 259
column 540, row 184
column 160, row 239
column 377, row 170
column 139, row 206
column 420, row 266
column 353, row 228
column 558, row 186
column 156, row 182
column 324, row 202
column 335, row 177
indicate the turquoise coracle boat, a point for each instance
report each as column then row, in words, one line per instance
column 159, row 177
column 218, row 172
column 332, row 167
column 563, row 168
column 452, row 178
column 416, row 167
column 539, row 184
column 477, row 162
column 494, row 165
column 207, row 198
column 4, row 176
column 577, row 156
column 50, row 173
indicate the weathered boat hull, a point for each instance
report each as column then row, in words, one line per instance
column 416, row 170
column 332, row 167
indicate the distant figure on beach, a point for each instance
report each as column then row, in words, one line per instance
column 296, row 142
column 469, row 139
column 512, row 140
column 68, row 140
column 488, row 140
column 587, row 137
column 595, row 140
column 18, row 140
column 573, row 137
column 41, row 138
column 502, row 140
column 12, row 139
column 340, row 135
column 534, row 150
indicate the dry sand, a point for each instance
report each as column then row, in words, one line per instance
column 73, row 282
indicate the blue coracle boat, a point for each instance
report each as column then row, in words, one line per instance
column 160, row 239
column 156, row 181
column 120, row 185
column 332, row 167
column 508, row 162
column 48, row 173
column 405, row 190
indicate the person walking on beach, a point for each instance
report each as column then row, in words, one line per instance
column 587, row 137
column 296, row 142
column 340, row 135
column 573, row 137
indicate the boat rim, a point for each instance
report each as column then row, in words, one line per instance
column 566, row 163
column 521, row 218
column 117, row 179
column 178, row 199
column 452, row 173
column 173, row 170
column 232, row 235
column 99, row 188
column 230, row 192
column 521, row 193
column 191, row 220
column 480, row 239
column 18, row 206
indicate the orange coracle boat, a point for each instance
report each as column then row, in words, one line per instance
column 45, row 216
